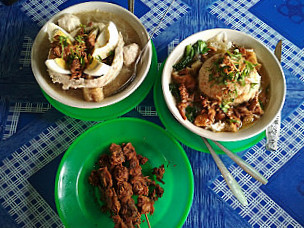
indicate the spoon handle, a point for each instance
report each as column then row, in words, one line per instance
column 131, row 6
column 243, row 164
column 273, row 130
column 132, row 77
column 231, row 182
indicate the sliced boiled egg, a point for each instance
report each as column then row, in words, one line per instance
column 57, row 65
column 54, row 30
column 97, row 68
column 106, row 41
column 93, row 32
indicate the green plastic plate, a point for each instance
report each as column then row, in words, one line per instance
column 186, row 136
column 115, row 110
column 77, row 201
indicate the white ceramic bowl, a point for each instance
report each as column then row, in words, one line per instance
column 40, row 51
column 266, row 57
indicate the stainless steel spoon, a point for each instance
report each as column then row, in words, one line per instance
column 132, row 77
column 131, row 6
column 231, row 182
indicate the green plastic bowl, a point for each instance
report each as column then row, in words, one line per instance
column 77, row 201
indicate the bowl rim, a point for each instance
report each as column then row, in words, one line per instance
column 218, row 136
column 44, row 85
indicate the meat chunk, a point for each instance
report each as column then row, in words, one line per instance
column 182, row 109
column 220, row 115
column 211, row 114
column 185, row 98
column 135, row 168
column 90, row 42
column 159, row 173
column 255, row 107
column 121, row 173
column 124, row 190
column 94, row 178
column 55, row 52
column 202, row 120
column 184, row 77
column 135, row 171
column 117, row 156
column 76, row 69
column 119, row 223
column 243, row 110
column 156, row 193
column 205, row 102
column 129, row 151
column 112, row 200
column 130, row 213
column 159, row 191
column 134, row 162
column 105, row 177
column 145, row 205
column 140, row 186
column 104, row 161
column 114, row 147
column 130, row 53
column 142, row 159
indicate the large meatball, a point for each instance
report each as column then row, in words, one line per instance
column 233, row 92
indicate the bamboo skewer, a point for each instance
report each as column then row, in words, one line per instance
column 148, row 220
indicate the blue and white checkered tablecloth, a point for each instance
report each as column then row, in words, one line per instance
column 22, row 201
column 35, row 136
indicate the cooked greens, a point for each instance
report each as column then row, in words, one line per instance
column 191, row 52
